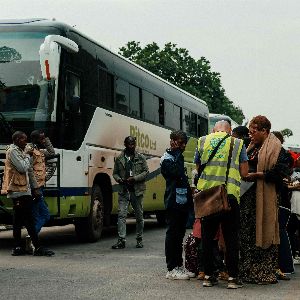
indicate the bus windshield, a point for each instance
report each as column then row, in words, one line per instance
column 24, row 95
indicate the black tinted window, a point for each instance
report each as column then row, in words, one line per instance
column 202, row 126
column 135, row 107
column 105, row 88
column 122, row 96
column 189, row 122
column 150, row 107
column 172, row 115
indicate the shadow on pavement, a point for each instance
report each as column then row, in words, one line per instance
column 65, row 235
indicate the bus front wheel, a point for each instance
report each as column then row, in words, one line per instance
column 89, row 229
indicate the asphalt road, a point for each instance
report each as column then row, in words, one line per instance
column 95, row 271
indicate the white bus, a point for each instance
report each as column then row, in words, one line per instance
column 88, row 99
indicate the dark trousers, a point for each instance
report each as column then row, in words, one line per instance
column 292, row 227
column 230, row 222
column 23, row 217
column 176, row 221
column 285, row 254
column 217, row 257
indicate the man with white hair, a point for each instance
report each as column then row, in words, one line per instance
column 214, row 174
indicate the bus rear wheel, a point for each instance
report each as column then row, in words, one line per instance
column 89, row 229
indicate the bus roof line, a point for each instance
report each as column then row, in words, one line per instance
column 66, row 27
column 139, row 67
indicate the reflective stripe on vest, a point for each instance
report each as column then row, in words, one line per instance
column 215, row 172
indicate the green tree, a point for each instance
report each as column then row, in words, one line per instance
column 286, row 132
column 178, row 67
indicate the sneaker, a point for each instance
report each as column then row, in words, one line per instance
column 119, row 245
column 139, row 244
column 209, row 281
column 187, row 272
column 201, row 276
column 17, row 251
column 177, row 274
column 234, row 283
column 296, row 260
column 169, row 274
column 223, row 276
column 42, row 251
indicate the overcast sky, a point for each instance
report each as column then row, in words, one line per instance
column 254, row 45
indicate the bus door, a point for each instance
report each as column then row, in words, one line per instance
column 72, row 112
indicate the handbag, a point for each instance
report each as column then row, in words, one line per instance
column 213, row 200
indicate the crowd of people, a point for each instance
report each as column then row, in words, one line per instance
column 255, row 241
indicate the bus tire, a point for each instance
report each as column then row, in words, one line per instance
column 161, row 217
column 89, row 229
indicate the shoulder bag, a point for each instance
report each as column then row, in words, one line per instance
column 213, row 200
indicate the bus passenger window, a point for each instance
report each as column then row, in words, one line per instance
column 172, row 115
column 122, row 96
column 134, row 106
column 150, row 107
column 189, row 122
column 105, row 89
column 202, row 125
column 72, row 92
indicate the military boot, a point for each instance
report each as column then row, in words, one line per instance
column 119, row 245
column 139, row 243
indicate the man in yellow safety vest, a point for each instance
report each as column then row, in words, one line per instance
column 212, row 175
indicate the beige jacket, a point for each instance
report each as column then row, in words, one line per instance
column 16, row 176
column 39, row 161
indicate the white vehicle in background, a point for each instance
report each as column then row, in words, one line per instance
column 214, row 118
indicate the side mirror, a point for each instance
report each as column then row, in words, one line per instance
column 50, row 54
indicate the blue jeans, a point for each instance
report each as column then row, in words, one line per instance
column 40, row 212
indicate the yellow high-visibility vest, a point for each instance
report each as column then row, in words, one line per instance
column 214, row 173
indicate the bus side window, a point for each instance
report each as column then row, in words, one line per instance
column 134, row 105
column 150, row 107
column 72, row 93
column 202, row 125
column 189, row 122
column 105, row 89
column 172, row 115
column 122, row 95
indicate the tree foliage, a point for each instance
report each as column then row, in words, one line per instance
column 286, row 132
column 178, row 67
